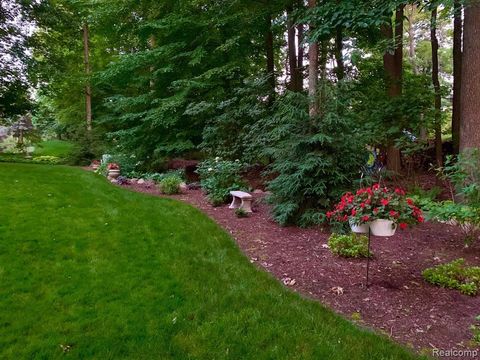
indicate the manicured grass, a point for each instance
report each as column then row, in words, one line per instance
column 119, row 275
column 58, row 148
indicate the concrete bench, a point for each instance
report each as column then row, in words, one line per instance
column 241, row 200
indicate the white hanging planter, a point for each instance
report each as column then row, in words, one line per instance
column 382, row 227
column 359, row 229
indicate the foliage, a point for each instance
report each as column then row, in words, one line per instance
column 455, row 275
column 241, row 213
column 475, row 328
column 219, row 177
column 152, row 266
column 170, row 184
column 351, row 245
column 48, row 159
column 315, row 159
column 464, row 173
column 376, row 202
column 466, row 216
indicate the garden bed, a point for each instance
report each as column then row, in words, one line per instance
column 398, row 302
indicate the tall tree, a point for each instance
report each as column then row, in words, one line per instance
column 295, row 81
column 470, row 93
column 313, row 50
column 393, row 66
column 457, row 74
column 340, row 69
column 88, row 88
column 436, row 87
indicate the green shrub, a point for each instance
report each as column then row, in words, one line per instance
column 475, row 328
column 46, row 159
column 314, row 160
column 170, row 184
column 455, row 275
column 241, row 213
column 351, row 245
column 219, row 177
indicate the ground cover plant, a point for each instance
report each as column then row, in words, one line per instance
column 455, row 275
column 95, row 271
column 351, row 245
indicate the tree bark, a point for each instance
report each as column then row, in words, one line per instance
column 436, row 87
column 292, row 50
column 457, row 75
column 393, row 66
column 88, row 90
column 470, row 125
column 300, row 55
column 340, row 70
column 313, row 72
column 270, row 58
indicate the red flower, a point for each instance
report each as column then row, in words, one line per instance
column 329, row 214
column 421, row 219
column 393, row 213
column 399, row 191
column 354, row 212
column 403, row 226
column 410, row 202
column 362, row 205
column 384, row 202
column 365, row 218
column 375, row 210
column 376, row 186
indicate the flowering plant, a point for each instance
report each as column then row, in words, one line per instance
column 376, row 202
column 113, row 166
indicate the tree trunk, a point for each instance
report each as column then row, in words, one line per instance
column 300, row 55
column 436, row 87
column 292, row 51
column 393, row 65
column 88, row 90
column 411, row 37
column 470, row 125
column 313, row 72
column 340, row 70
column 457, row 75
column 270, row 58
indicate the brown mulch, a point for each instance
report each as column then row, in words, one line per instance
column 398, row 301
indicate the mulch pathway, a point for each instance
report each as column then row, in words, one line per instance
column 398, row 301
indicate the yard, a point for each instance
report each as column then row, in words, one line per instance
column 89, row 270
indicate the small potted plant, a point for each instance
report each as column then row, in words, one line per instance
column 95, row 165
column 113, row 170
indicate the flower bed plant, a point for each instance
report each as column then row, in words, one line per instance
column 219, row 177
column 376, row 203
column 350, row 245
column 455, row 275
column 170, row 184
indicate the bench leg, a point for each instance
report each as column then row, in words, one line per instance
column 247, row 205
column 236, row 203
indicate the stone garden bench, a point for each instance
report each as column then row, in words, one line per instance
column 241, row 200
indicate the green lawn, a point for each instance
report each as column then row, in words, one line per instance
column 58, row 148
column 120, row 275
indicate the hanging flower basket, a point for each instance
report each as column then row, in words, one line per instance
column 359, row 228
column 383, row 227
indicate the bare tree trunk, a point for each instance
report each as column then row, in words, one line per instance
column 340, row 70
column 313, row 72
column 292, row 50
column 152, row 43
column 470, row 125
column 300, row 56
column 393, row 65
column 270, row 58
column 436, row 86
column 457, row 75
column 411, row 36
column 88, row 90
